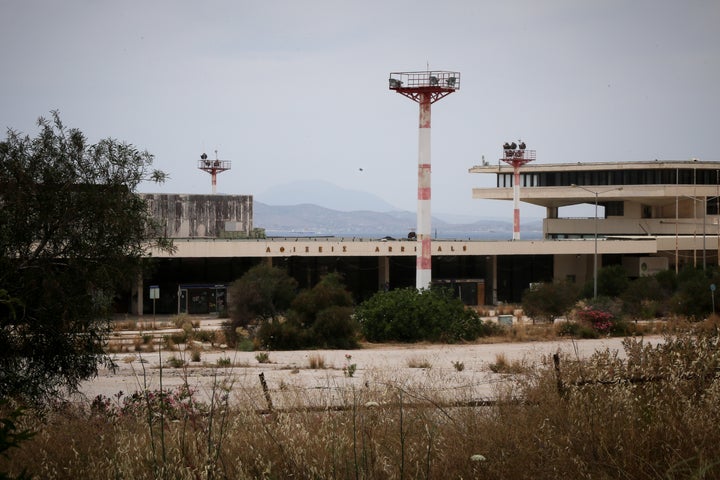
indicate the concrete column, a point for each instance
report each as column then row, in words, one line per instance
column 383, row 272
column 136, row 297
column 493, row 276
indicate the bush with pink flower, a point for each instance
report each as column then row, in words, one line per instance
column 601, row 321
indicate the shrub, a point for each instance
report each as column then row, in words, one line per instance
column 11, row 435
column 418, row 362
column 693, row 297
column 575, row 329
column 175, row 362
column 504, row 366
column 281, row 335
column 207, row 336
column 334, row 327
column 316, row 361
column 319, row 317
column 263, row 293
column 195, row 355
column 601, row 321
column 643, row 298
column 546, row 301
column 611, row 282
column 410, row 315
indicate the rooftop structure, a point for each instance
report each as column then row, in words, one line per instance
column 213, row 167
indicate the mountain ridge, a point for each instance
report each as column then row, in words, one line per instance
column 308, row 219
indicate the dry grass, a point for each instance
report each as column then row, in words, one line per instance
column 418, row 362
column 316, row 361
column 653, row 415
column 503, row 365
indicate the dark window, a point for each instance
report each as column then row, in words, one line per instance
column 614, row 209
column 646, row 211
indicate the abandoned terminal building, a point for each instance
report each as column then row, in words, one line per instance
column 648, row 216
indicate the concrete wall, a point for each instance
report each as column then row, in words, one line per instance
column 202, row 216
column 576, row 266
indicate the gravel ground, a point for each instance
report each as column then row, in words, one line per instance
column 423, row 369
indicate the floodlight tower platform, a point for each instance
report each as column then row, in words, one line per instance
column 517, row 156
column 213, row 167
column 425, row 88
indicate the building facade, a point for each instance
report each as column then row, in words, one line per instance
column 650, row 216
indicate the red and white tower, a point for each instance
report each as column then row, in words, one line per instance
column 213, row 167
column 517, row 156
column 425, row 88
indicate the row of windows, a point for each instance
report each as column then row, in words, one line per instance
column 668, row 176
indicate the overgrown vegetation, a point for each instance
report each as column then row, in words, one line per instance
column 411, row 315
column 546, row 301
column 647, row 413
column 73, row 232
column 621, row 300
column 319, row 317
column 265, row 299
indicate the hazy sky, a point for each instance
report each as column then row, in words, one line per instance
column 293, row 90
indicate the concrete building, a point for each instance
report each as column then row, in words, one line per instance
column 202, row 216
column 675, row 203
column 650, row 216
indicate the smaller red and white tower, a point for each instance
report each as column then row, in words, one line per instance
column 516, row 155
column 213, row 167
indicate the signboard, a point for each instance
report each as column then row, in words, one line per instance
column 154, row 292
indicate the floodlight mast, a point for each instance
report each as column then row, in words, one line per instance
column 213, row 167
column 425, row 88
column 517, row 156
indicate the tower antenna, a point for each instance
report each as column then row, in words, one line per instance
column 425, row 88
column 213, row 167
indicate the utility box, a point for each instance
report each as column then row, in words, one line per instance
column 644, row 266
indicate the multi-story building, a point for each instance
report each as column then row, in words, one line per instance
column 673, row 203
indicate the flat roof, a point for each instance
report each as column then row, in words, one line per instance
column 595, row 166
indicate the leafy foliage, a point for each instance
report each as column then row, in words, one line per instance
column 72, row 232
column 693, row 297
column 545, row 301
column 319, row 317
column 409, row 315
column 645, row 298
column 263, row 293
column 611, row 282
column 11, row 436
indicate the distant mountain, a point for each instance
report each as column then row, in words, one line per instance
column 324, row 194
column 308, row 219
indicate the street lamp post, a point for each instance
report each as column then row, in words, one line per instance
column 595, row 257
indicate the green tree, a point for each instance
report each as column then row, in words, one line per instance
column 318, row 317
column 611, row 282
column 548, row 300
column 693, row 296
column 326, row 311
column 72, row 233
column 644, row 298
column 263, row 293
